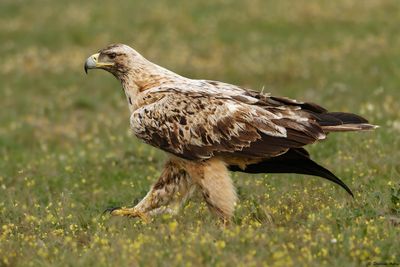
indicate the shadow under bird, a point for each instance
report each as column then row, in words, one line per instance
column 209, row 128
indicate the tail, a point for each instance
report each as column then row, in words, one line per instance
column 295, row 160
column 342, row 122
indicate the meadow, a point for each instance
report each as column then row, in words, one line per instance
column 66, row 151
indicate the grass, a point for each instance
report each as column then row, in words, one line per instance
column 66, row 152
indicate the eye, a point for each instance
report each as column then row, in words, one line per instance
column 112, row 55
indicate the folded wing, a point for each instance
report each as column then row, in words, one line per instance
column 197, row 126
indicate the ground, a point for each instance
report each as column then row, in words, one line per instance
column 67, row 153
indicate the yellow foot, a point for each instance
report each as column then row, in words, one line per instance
column 128, row 212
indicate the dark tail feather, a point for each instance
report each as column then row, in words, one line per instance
column 342, row 122
column 294, row 161
column 337, row 118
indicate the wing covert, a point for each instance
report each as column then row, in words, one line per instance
column 198, row 126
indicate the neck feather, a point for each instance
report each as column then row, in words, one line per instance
column 143, row 76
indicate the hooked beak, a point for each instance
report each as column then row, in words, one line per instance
column 92, row 62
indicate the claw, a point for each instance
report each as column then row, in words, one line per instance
column 110, row 210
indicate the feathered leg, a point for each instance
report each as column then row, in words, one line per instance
column 214, row 181
column 173, row 187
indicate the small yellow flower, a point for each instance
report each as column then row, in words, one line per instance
column 173, row 225
column 220, row 244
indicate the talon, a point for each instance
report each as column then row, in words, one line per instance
column 122, row 211
column 110, row 210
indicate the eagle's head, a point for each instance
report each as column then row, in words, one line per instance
column 129, row 67
column 117, row 59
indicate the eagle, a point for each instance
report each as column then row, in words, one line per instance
column 209, row 128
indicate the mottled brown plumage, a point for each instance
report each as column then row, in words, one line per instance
column 210, row 126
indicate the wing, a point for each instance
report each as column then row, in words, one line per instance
column 198, row 125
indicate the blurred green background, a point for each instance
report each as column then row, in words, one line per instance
column 66, row 151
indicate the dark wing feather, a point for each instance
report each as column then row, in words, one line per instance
column 295, row 160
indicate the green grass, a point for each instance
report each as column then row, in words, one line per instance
column 66, row 152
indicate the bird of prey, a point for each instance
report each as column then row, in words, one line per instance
column 209, row 128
